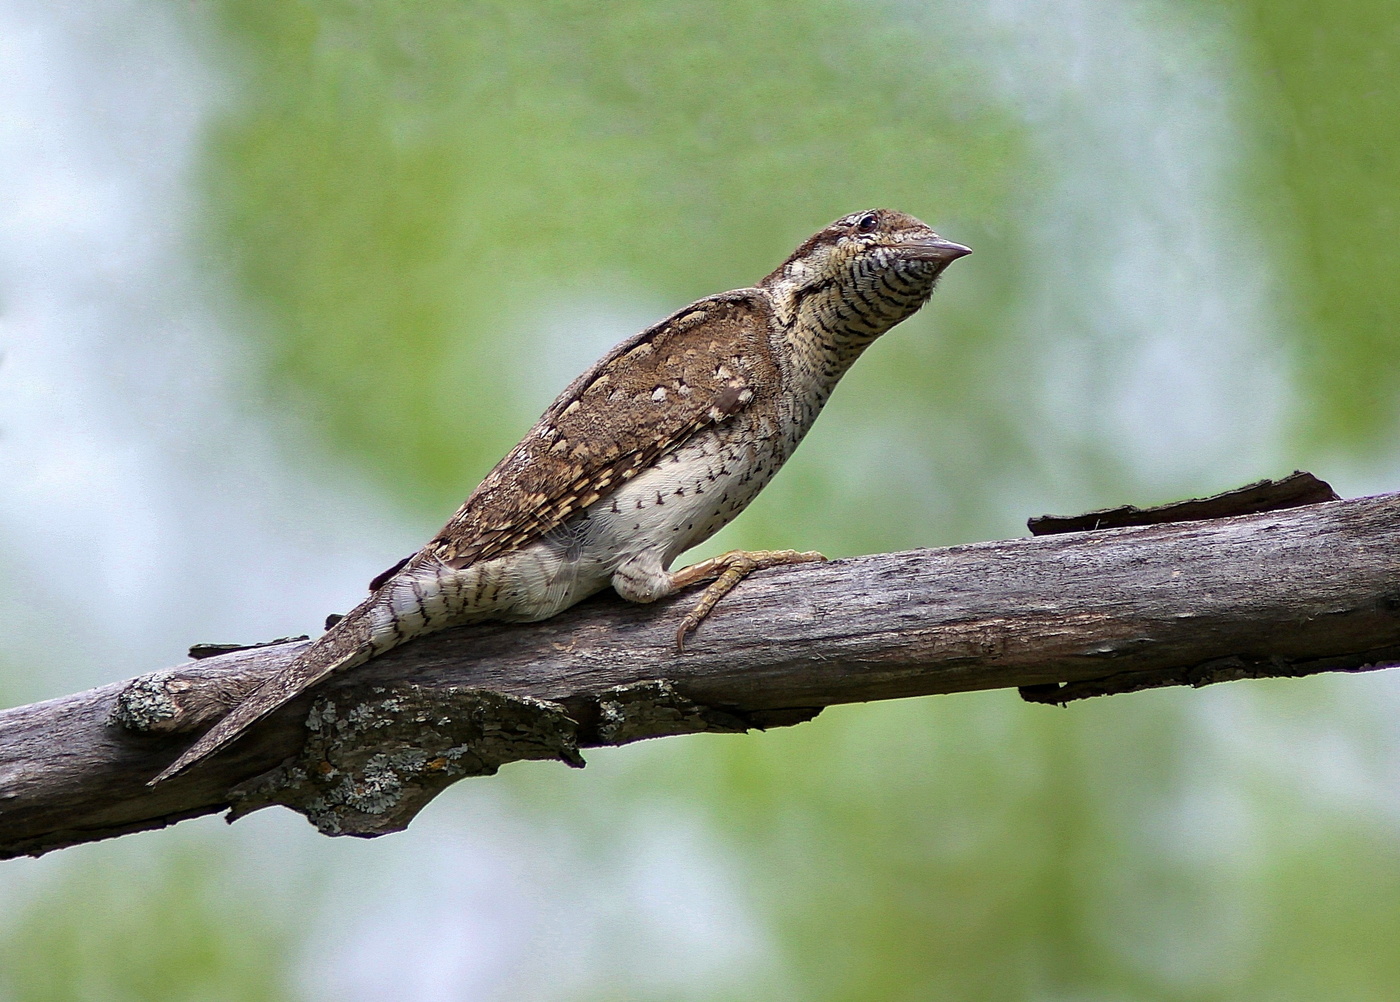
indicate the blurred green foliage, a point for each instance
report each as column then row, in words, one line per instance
column 407, row 190
column 408, row 193
column 1328, row 96
column 170, row 926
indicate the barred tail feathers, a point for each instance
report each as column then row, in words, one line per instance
column 406, row 606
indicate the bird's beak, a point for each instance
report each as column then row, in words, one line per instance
column 934, row 249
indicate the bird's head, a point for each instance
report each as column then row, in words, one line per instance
column 865, row 272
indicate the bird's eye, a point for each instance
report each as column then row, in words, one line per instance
column 867, row 223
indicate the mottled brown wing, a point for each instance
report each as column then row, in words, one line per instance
column 696, row 368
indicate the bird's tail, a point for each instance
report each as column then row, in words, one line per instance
column 346, row 644
column 418, row 596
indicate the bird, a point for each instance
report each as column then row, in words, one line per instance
column 656, row 447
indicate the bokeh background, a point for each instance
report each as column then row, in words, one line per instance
column 279, row 281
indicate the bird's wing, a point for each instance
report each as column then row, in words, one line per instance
column 696, row 368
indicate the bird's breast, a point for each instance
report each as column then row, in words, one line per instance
column 687, row 496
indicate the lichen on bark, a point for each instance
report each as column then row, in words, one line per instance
column 375, row 756
column 654, row 709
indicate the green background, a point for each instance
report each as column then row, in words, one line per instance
column 428, row 216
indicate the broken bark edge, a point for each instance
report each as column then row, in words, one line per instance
column 1229, row 669
column 1297, row 489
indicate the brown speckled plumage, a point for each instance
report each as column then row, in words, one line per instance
column 651, row 451
column 711, row 359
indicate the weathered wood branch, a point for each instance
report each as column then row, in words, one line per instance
column 1283, row 593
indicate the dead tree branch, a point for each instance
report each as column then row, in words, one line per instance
column 1280, row 593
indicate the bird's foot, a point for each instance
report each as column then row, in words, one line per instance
column 727, row 570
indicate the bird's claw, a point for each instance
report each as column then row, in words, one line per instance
column 728, row 570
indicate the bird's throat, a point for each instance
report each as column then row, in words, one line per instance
column 829, row 323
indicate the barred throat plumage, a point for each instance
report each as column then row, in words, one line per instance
column 653, row 450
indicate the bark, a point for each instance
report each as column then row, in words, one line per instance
column 1280, row 593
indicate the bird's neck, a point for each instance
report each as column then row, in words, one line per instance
column 827, row 321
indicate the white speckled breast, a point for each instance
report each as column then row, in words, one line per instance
column 662, row 512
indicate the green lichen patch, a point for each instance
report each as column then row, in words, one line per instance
column 147, row 705
column 374, row 757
